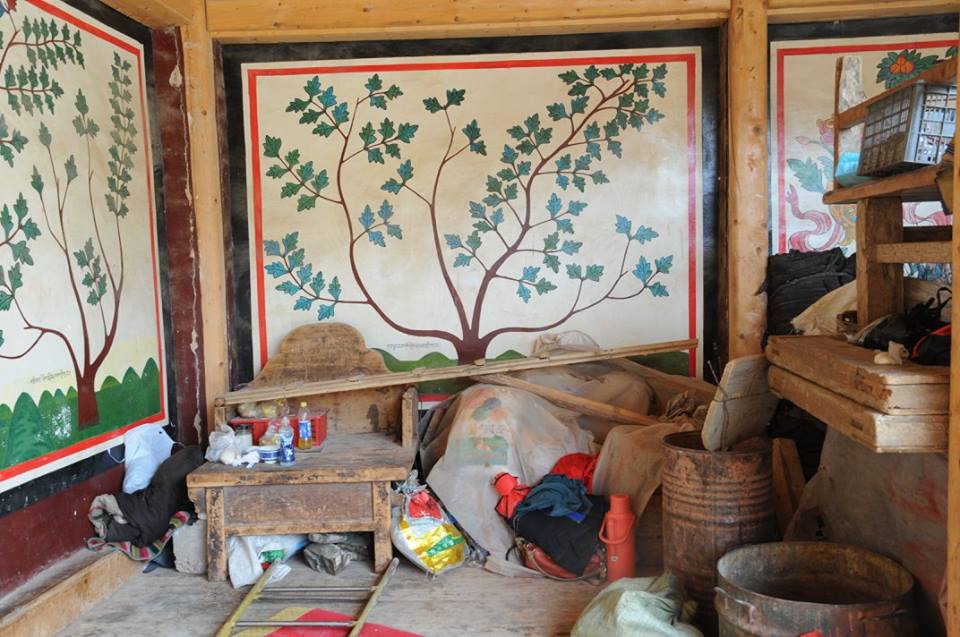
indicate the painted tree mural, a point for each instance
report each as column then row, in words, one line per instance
column 565, row 146
column 95, row 279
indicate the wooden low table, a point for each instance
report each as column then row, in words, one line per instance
column 344, row 487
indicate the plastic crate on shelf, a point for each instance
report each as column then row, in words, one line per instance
column 908, row 129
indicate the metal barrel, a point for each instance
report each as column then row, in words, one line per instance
column 785, row 589
column 713, row 502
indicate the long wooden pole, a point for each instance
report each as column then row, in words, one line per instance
column 953, row 474
column 747, row 189
column 394, row 379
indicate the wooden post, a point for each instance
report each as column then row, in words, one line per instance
column 952, row 575
column 747, row 190
column 200, row 78
column 879, row 285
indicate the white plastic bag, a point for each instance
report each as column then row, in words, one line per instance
column 220, row 440
column 247, row 554
column 144, row 449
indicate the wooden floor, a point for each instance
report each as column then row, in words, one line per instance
column 467, row 601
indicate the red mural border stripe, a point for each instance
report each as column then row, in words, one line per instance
column 692, row 155
column 781, row 138
column 83, row 445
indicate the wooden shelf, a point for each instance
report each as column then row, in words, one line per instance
column 916, row 185
column 919, row 252
column 886, row 408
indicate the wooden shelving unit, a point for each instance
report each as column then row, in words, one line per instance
column 887, row 409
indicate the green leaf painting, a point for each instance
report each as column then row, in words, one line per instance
column 526, row 215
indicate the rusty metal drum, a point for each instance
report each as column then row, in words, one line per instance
column 785, row 589
column 713, row 502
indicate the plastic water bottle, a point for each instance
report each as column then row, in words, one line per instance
column 303, row 422
column 287, row 456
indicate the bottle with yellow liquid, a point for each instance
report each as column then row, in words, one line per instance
column 303, row 423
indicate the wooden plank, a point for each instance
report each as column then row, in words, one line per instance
column 916, row 185
column 747, row 196
column 409, row 417
column 828, row 10
column 201, row 81
column 879, row 285
column 742, row 406
column 668, row 384
column 902, row 390
column 952, row 575
column 216, row 535
column 943, row 72
column 157, row 14
column 59, row 605
column 314, row 20
column 882, row 433
column 296, row 504
column 576, row 403
column 914, row 252
column 788, row 481
column 382, row 544
column 345, row 458
column 442, row 373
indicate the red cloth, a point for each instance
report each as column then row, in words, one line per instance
column 422, row 505
column 511, row 493
column 577, row 466
column 320, row 615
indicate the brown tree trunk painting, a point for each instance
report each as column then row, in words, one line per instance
column 95, row 274
column 567, row 150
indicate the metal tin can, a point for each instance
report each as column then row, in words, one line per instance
column 287, row 456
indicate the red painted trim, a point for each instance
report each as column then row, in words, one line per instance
column 688, row 58
column 85, row 26
column 781, row 139
column 692, row 206
column 47, row 458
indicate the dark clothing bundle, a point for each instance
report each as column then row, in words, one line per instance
column 147, row 511
column 797, row 279
column 557, row 496
column 557, row 514
column 569, row 543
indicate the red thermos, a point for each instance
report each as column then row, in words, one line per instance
column 617, row 533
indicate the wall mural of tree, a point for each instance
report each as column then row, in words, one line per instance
column 76, row 162
column 566, row 145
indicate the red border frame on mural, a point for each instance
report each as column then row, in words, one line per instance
column 688, row 58
column 47, row 458
column 782, row 53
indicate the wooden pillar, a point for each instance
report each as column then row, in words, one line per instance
column 200, row 78
column 181, row 240
column 747, row 187
column 953, row 476
column 879, row 285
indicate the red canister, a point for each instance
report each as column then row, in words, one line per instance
column 617, row 533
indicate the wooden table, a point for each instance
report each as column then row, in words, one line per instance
column 344, row 487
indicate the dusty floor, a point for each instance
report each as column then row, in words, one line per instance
column 465, row 602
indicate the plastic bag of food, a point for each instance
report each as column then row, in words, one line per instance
column 220, row 440
column 422, row 530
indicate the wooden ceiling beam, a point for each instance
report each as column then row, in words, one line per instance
column 156, row 14
column 302, row 20
column 781, row 11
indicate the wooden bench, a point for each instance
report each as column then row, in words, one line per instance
column 343, row 487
